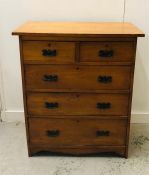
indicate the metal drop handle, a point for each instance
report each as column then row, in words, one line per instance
column 51, row 105
column 101, row 133
column 106, row 53
column 103, row 105
column 53, row 133
column 49, row 53
column 51, row 78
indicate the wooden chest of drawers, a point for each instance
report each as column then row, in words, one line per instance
column 77, row 84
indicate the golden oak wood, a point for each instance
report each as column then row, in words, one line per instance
column 77, row 86
column 64, row 51
column 122, row 51
column 76, row 38
column 24, row 98
column 79, row 28
column 77, row 77
column 87, row 132
column 80, row 151
column 76, row 104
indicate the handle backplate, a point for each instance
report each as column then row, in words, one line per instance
column 105, row 79
column 49, row 105
column 53, row 133
column 106, row 53
column 103, row 105
column 49, row 53
column 50, row 78
column 101, row 133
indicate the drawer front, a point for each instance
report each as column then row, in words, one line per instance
column 77, row 104
column 77, row 77
column 49, row 52
column 59, row 132
column 107, row 51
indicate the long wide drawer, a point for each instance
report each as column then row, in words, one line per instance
column 49, row 52
column 77, row 132
column 77, row 77
column 107, row 51
column 77, row 104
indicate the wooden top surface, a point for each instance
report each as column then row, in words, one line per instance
column 78, row 28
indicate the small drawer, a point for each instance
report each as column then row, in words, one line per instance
column 77, row 104
column 75, row 78
column 77, row 132
column 107, row 51
column 48, row 51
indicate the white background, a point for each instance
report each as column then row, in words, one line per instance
column 15, row 12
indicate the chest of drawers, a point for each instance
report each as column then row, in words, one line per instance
column 77, row 86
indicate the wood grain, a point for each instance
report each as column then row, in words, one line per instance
column 65, row 51
column 77, row 96
column 80, row 151
column 93, row 29
column 77, row 104
column 84, row 135
column 122, row 51
column 71, row 77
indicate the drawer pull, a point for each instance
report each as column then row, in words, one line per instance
column 103, row 105
column 102, row 133
column 50, row 78
column 53, row 133
column 106, row 53
column 105, row 79
column 51, row 105
column 49, row 53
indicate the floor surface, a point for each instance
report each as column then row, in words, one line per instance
column 14, row 159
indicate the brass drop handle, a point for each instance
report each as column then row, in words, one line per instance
column 49, row 53
column 53, row 133
column 106, row 53
column 101, row 133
